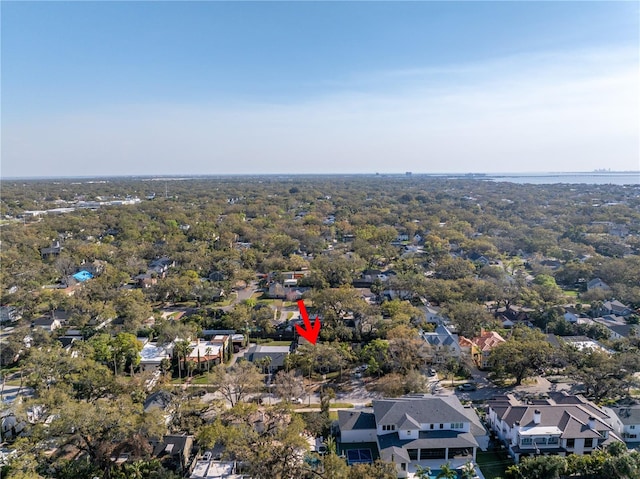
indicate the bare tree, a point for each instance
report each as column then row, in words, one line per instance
column 288, row 385
column 236, row 382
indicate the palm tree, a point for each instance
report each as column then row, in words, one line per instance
column 468, row 471
column 423, row 472
column 330, row 443
column 207, row 353
column 182, row 349
column 447, row 472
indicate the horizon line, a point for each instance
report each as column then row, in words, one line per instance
column 400, row 174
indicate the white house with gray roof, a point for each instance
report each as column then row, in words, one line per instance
column 628, row 423
column 276, row 354
column 443, row 343
column 562, row 425
column 416, row 430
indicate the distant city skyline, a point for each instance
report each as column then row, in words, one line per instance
column 224, row 88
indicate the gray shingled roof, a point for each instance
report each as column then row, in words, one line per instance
column 394, row 454
column 569, row 413
column 350, row 420
column 628, row 414
column 426, row 410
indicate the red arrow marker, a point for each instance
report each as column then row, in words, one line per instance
column 311, row 332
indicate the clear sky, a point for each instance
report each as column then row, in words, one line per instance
column 151, row 88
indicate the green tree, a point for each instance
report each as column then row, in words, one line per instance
column 525, row 353
column 377, row 470
column 468, row 317
column 542, row 467
column 126, row 351
column 100, row 427
column 447, row 472
column 423, row 472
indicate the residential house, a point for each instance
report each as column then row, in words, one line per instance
column 433, row 315
column 562, row 425
column 467, row 346
column 160, row 266
column 276, row 355
column 571, row 314
column 582, row 343
column 617, row 326
column 152, row 354
column 212, row 351
column 145, row 280
column 67, row 344
column 158, row 400
column 512, row 315
column 237, row 340
column 9, row 314
column 174, row 451
column 47, row 323
column 551, row 263
column 217, row 275
column 629, row 423
column 484, row 344
column 616, row 307
column 597, row 283
column 367, row 278
column 54, row 250
column 411, row 431
column 479, row 259
column 276, row 290
column 621, row 331
column 443, row 344
column 95, row 268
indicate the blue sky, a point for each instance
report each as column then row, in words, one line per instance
column 124, row 88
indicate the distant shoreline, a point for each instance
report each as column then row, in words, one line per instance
column 477, row 175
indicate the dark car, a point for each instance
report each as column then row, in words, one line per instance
column 467, row 387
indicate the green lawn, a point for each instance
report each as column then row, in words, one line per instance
column 278, row 343
column 493, row 463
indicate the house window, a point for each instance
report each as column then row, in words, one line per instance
column 457, row 425
column 541, row 440
column 430, row 426
column 388, row 427
column 553, row 440
column 403, row 466
column 633, row 426
column 409, row 432
column 441, row 426
column 588, row 442
column 571, row 443
column 526, row 441
column 413, row 454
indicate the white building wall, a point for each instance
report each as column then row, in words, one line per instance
column 359, row 435
column 630, row 430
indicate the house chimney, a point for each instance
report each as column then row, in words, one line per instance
column 537, row 416
column 592, row 422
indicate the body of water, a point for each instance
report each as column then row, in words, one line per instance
column 595, row 178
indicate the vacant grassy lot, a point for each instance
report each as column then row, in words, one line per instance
column 493, row 463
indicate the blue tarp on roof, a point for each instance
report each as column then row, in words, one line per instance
column 82, row 276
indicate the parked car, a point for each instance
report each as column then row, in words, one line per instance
column 467, row 387
column 432, row 372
